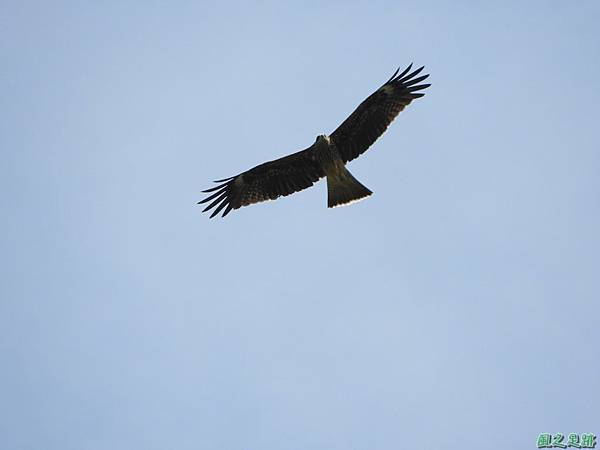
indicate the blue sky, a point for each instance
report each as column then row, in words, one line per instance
column 455, row 308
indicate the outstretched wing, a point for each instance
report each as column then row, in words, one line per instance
column 270, row 180
column 372, row 117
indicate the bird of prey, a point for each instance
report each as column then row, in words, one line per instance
column 327, row 157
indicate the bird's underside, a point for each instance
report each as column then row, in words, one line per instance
column 327, row 157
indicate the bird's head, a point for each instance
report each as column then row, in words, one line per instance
column 322, row 138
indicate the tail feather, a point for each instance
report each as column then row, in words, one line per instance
column 343, row 188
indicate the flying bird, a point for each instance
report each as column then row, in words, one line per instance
column 327, row 157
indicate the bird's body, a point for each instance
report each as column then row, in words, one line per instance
column 327, row 157
column 342, row 187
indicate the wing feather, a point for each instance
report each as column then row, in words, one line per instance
column 373, row 116
column 267, row 181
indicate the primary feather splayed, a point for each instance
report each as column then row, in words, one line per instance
column 327, row 157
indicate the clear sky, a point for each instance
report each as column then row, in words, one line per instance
column 456, row 308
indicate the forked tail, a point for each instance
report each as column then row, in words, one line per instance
column 343, row 188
